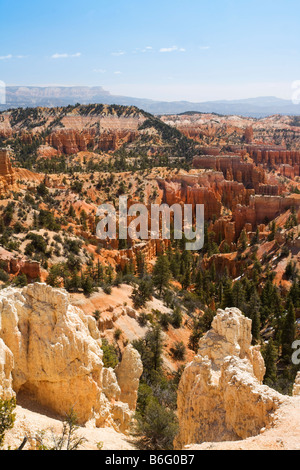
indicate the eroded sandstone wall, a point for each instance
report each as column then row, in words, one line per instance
column 221, row 396
column 57, row 358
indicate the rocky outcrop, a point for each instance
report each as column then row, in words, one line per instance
column 249, row 135
column 274, row 156
column 16, row 264
column 204, row 187
column 7, row 176
column 296, row 389
column 128, row 373
column 6, row 367
column 233, row 168
column 225, row 263
column 221, row 396
column 69, row 141
column 224, row 229
column 263, row 209
column 58, row 357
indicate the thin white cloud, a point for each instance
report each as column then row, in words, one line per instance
column 118, row 72
column 10, row 56
column 147, row 49
column 172, row 49
column 204, row 48
column 118, row 53
column 99, row 70
column 66, row 56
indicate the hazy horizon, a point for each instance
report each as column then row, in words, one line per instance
column 58, row 85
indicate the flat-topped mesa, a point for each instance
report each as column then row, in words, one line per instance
column 7, row 176
column 220, row 395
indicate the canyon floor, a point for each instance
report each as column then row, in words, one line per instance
column 32, row 419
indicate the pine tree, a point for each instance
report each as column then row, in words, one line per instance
column 238, row 296
column 143, row 293
column 289, row 331
column 254, row 313
column 227, row 297
column 294, row 293
column 271, row 237
column 270, row 357
column 186, row 281
column 243, row 241
column 161, row 273
column 99, row 273
column 177, row 318
column 255, row 238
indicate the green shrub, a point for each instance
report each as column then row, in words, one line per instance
column 110, row 356
column 157, row 427
column 4, row 277
column 7, row 417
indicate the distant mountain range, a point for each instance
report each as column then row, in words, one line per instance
column 20, row 96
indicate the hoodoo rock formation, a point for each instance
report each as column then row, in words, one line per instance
column 72, row 141
column 52, row 351
column 221, row 396
column 206, row 187
column 16, row 265
column 263, row 209
column 7, row 177
column 233, row 168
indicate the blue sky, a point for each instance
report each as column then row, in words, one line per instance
column 168, row 50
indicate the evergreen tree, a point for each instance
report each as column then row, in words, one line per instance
column 238, row 296
column 177, row 318
column 227, row 297
column 142, row 293
column 271, row 237
column 294, row 293
column 186, row 281
column 157, row 426
column 255, row 238
column 161, row 273
column 289, row 331
column 87, row 284
column 270, row 357
column 243, row 241
column 150, row 349
column 254, row 313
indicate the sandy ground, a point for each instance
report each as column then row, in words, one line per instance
column 30, row 422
